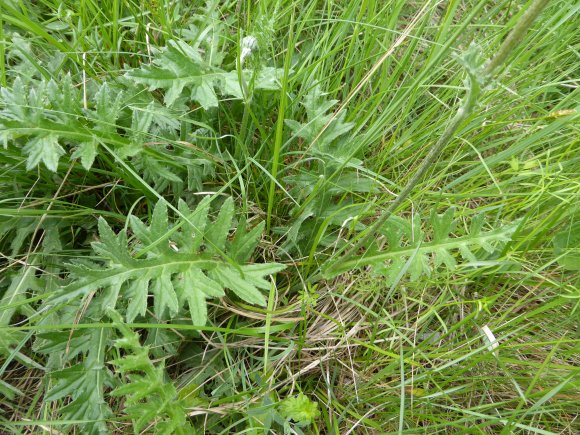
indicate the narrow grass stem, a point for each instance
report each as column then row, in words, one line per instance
column 515, row 36
column 280, row 127
column 466, row 109
column 2, row 52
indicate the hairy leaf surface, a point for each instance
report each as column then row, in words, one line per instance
column 410, row 252
column 179, row 265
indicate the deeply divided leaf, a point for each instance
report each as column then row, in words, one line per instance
column 178, row 264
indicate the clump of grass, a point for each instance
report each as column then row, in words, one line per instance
column 265, row 214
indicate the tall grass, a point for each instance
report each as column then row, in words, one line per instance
column 430, row 280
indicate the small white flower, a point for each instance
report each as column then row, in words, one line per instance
column 249, row 44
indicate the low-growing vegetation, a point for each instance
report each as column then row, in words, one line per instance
column 339, row 217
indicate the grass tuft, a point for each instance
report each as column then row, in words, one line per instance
column 289, row 217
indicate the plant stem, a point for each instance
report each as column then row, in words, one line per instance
column 466, row 109
column 280, row 125
column 2, row 52
column 515, row 36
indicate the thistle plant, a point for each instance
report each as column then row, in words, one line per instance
column 214, row 217
column 479, row 76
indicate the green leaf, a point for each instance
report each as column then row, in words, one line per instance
column 217, row 233
column 191, row 289
column 208, row 286
column 232, row 279
column 141, row 124
column 137, row 298
column 328, row 187
column 177, row 67
column 421, row 256
column 84, row 383
column 165, row 297
column 321, row 129
column 244, row 243
column 43, row 117
column 299, row 409
column 230, row 83
column 147, row 395
column 184, row 275
column 159, row 221
column 20, row 283
column 45, row 149
column 182, row 67
column 110, row 245
column 86, row 151
column 254, row 273
column 72, row 344
column 267, row 78
column 205, row 95
column 108, row 107
column 193, row 231
column 443, row 224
